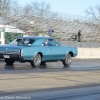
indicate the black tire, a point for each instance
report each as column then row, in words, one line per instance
column 67, row 61
column 36, row 61
column 43, row 63
column 9, row 61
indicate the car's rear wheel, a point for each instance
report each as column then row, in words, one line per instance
column 36, row 61
column 9, row 61
column 67, row 61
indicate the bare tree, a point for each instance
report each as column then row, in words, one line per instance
column 5, row 6
column 6, row 13
column 33, row 14
column 25, row 18
column 94, row 13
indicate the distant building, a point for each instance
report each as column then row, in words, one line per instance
column 9, row 33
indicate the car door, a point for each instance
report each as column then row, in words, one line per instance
column 54, row 51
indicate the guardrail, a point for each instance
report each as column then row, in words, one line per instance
column 88, row 53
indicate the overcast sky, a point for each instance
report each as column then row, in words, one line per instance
column 75, row 7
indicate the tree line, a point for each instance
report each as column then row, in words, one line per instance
column 24, row 18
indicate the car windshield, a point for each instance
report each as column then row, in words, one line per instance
column 24, row 42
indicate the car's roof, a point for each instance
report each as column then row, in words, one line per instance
column 36, row 37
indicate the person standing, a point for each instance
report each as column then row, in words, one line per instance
column 50, row 31
column 73, row 37
column 79, row 35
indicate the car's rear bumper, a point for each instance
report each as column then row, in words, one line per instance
column 12, row 56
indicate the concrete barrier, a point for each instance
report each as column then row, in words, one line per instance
column 88, row 53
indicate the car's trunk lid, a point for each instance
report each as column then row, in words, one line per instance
column 10, row 49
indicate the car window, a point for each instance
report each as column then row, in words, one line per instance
column 50, row 42
column 24, row 41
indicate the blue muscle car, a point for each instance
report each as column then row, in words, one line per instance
column 37, row 51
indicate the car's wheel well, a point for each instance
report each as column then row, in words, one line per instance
column 71, row 53
column 40, row 54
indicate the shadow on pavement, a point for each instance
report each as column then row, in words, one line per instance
column 8, row 66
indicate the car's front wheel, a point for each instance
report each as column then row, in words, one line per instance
column 67, row 61
column 36, row 61
column 9, row 61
